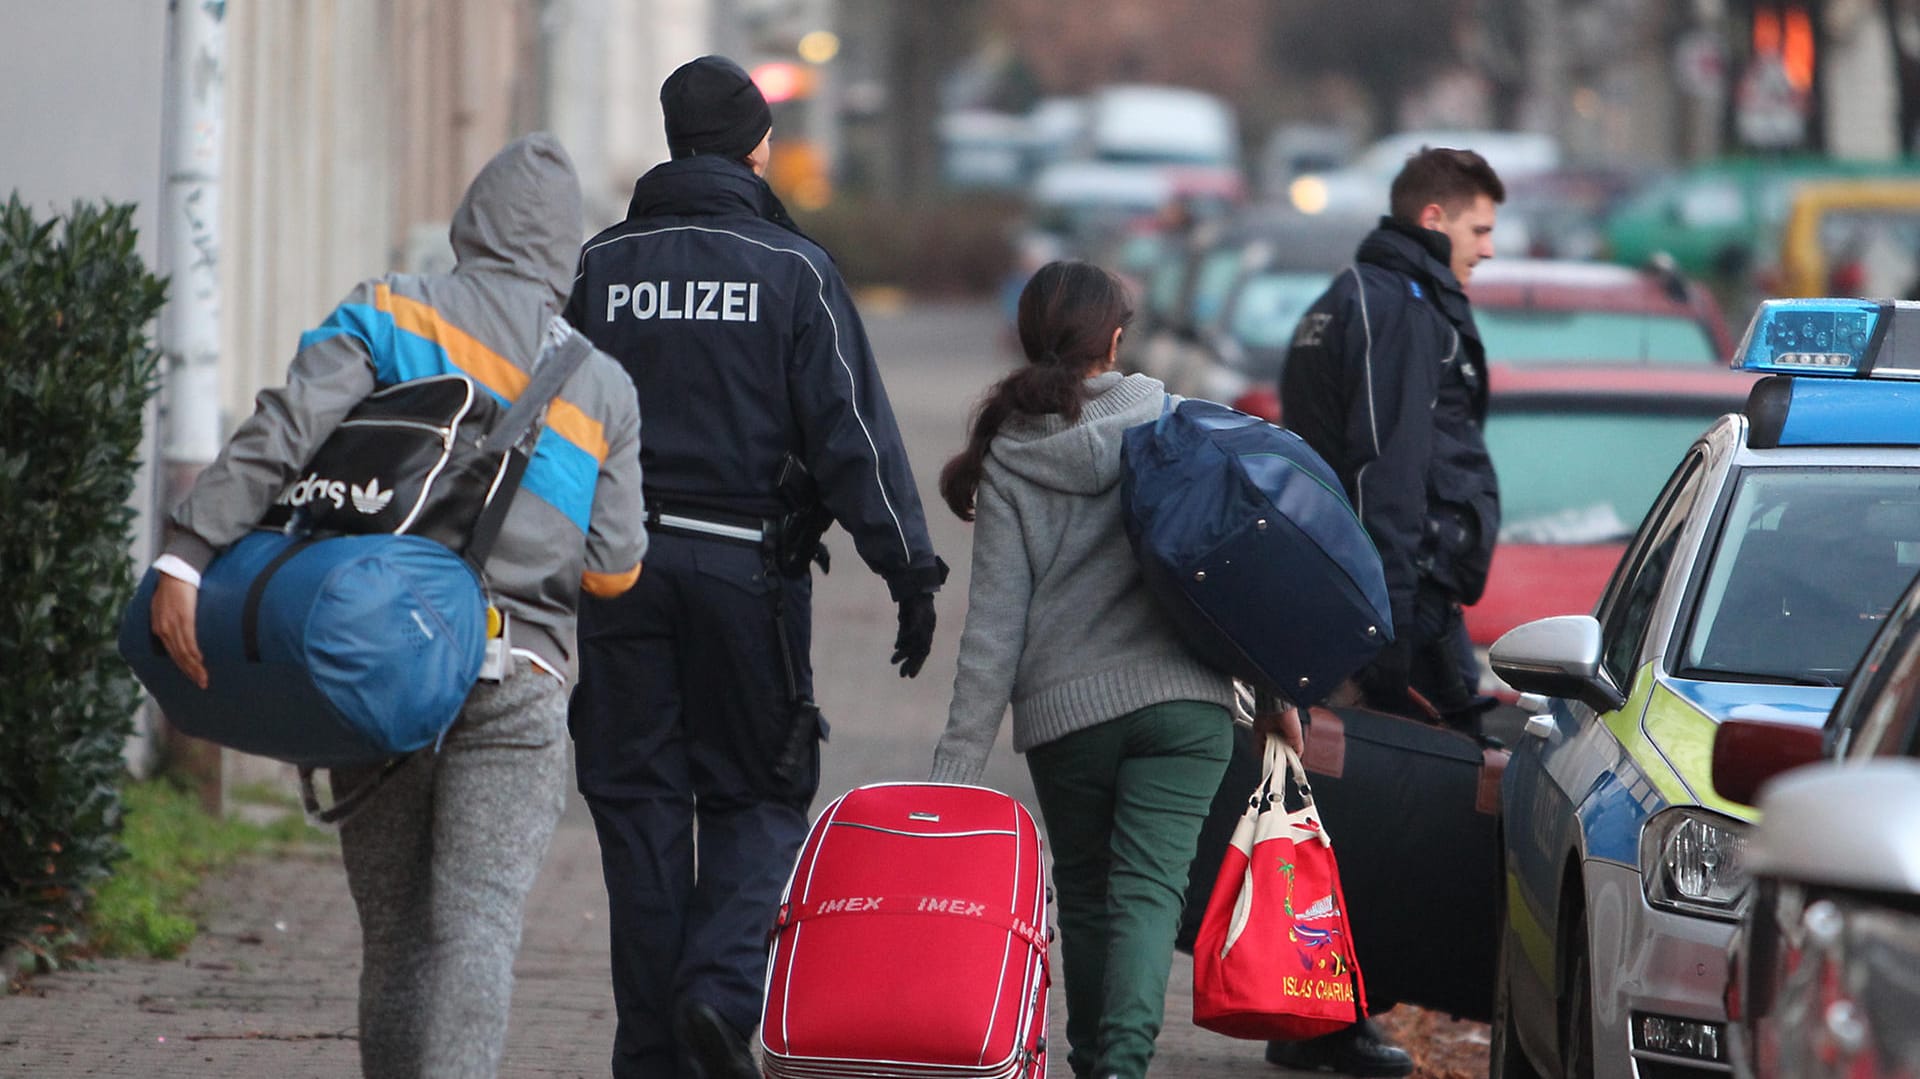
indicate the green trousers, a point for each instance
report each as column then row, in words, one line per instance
column 1123, row 804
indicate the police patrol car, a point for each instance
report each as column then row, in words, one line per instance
column 1764, row 568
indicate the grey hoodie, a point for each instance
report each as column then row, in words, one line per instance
column 578, row 520
column 1058, row 620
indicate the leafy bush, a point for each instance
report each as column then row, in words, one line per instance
column 76, row 370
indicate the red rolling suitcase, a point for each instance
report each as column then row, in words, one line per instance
column 912, row 940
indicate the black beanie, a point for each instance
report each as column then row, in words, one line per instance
column 713, row 107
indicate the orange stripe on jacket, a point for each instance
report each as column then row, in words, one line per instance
column 609, row 585
column 489, row 368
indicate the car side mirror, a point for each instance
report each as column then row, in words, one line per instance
column 1747, row 752
column 1557, row 657
column 1842, row 826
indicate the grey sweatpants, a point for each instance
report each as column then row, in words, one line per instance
column 440, row 860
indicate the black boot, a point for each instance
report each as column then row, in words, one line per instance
column 718, row 1049
column 1357, row 1050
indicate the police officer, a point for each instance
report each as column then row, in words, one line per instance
column 764, row 421
column 1387, row 379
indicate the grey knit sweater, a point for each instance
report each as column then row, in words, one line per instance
column 1058, row 620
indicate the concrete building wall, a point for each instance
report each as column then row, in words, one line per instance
column 353, row 128
column 309, row 179
column 80, row 104
column 646, row 40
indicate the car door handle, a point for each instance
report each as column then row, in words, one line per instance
column 1541, row 726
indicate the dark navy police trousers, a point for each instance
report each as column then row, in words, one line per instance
column 680, row 718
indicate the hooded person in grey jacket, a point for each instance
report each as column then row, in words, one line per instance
column 1125, row 733
column 440, row 858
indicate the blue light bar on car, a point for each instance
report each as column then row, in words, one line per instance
column 1833, row 412
column 1814, row 337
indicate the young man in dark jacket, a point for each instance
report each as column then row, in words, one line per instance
column 1387, row 380
column 765, row 419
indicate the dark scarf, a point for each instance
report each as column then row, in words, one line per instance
column 1425, row 255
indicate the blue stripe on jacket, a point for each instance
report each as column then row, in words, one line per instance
column 560, row 473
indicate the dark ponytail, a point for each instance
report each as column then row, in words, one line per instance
column 1067, row 316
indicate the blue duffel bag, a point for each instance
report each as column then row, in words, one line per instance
column 321, row 652
column 1244, row 536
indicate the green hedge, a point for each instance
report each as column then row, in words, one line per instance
column 76, row 370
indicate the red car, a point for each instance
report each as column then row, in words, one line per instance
column 1550, row 311
column 1581, row 452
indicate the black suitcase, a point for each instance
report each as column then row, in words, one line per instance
column 1413, row 811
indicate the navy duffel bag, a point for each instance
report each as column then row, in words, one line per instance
column 321, row 652
column 1245, row 537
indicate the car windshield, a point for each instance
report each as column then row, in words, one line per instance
column 1269, row 306
column 1163, row 287
column 1529, row 335
column 1217, row 272
column 1808, row 565
column 1585, row 472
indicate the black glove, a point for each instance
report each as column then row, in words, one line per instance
column 1384, row 681
column 910, row 648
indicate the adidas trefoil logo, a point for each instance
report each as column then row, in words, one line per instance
column 371, row 499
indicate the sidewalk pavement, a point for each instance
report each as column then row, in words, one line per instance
column 269, row 989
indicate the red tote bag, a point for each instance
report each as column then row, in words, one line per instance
column 1274, row 959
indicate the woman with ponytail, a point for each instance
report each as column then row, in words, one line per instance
column 1126, row 734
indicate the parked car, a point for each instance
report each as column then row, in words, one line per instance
column 1776, row 548
column 983, row 150
column 1822, row 968
column 1294, row 149
column 1542, row 311
column 1075, row 200
column 1236, row 359
column 1161, row 125
column 1562, row 214
column 1363, row 185
column 1852, row 238
column 1249, row 287
column 1716, row 218
column 1826, row 983
column 1581, row 452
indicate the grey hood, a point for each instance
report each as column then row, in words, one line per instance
column 521, row 216
column 1082, row 458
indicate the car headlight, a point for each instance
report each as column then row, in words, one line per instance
column 1694, row 862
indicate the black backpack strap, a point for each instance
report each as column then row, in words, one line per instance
column 257, row 591
column 557, row 363
column 342, row 808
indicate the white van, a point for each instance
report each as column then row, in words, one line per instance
column 1162, row 125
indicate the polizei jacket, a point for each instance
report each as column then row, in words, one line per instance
column 1387, row 380
column 745, row 349
column 577, row 521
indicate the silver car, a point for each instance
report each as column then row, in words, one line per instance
column 1825, row 977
